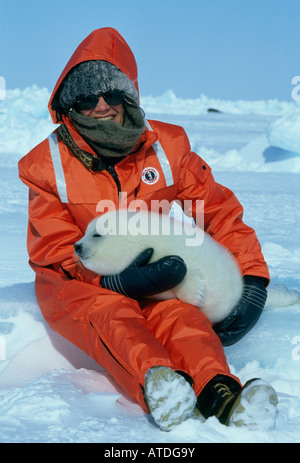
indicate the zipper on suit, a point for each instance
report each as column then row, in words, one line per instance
column 111, row 170
column 112, row 356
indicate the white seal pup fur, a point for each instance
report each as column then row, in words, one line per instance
column 213, row 280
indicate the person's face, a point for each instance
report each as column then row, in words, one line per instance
column 105, row 112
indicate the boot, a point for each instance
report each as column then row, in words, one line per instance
column 253, row 406
column 169, row 396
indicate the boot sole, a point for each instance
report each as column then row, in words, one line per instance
column 169, row 397
column 255, row 407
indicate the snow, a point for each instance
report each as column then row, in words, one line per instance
column 52, row 392
column 285, row 132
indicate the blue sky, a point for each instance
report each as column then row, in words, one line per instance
column 229, row 49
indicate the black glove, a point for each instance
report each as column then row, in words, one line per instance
column 245, row 314
column 141, row 279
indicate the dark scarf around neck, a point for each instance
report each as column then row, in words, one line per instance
column 108, row 138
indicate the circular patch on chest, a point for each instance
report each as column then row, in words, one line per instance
column 150, row 175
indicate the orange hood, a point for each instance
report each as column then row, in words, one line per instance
column 102, row 44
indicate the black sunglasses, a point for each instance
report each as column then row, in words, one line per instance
column 112, row 98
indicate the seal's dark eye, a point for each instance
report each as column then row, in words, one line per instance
column 96, row 235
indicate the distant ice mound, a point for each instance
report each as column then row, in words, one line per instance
column 285, row 132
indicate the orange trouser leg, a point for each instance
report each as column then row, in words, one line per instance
column 107, row 326
column 188, row 336
column 127, row 340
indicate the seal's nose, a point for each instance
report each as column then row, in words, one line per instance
column 78, row 249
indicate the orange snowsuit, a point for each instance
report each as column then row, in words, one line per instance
column 125, row 336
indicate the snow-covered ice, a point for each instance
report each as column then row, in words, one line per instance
column 284, row 133
column 52, row 392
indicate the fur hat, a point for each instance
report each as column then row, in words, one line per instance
column 92, row 78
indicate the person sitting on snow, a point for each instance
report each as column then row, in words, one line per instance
column 164, row 354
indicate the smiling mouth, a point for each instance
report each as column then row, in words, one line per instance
column 106, row 118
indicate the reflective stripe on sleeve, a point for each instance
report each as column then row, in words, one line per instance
column 163, row 160
column 58, row 168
